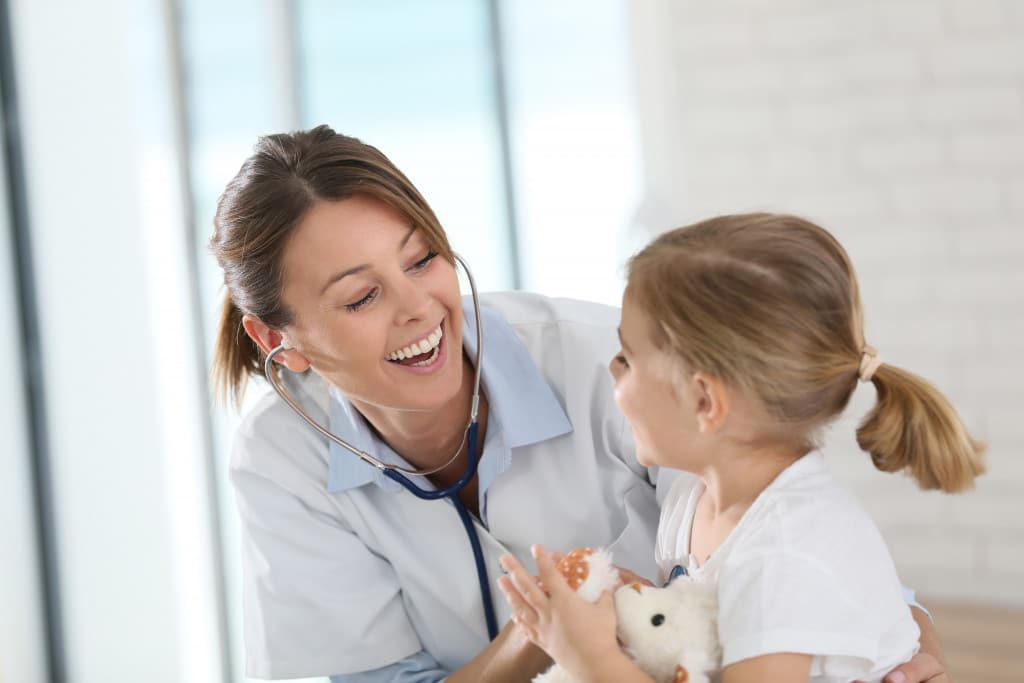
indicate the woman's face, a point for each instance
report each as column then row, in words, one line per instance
column 646, row 395
column 368, row 292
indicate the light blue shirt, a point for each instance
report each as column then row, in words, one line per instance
column 522, row 408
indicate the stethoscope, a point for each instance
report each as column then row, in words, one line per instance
column 398, row 473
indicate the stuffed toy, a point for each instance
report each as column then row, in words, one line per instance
column 671, row 632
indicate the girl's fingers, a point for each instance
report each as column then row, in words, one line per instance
column 522, row 613
column 525, row 585
column 552, row 579
column 627, row 577
column 512, row 596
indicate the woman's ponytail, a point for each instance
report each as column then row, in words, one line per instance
column 235, row 355
column 914, row 427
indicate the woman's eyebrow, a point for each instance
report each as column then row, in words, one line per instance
column 363, row 266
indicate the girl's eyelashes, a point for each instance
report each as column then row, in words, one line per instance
column 356, row 305
column 424, row 262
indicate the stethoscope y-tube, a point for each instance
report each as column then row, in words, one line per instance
column 398, row 473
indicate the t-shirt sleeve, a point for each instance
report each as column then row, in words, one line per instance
column 316, row 601
column 789, row 602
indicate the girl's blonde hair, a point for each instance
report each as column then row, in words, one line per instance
column 286, row 176
column 770, row 304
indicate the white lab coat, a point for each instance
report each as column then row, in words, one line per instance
column 345, row 571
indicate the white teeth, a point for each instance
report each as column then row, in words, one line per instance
column 433, row 357
column 418, row 347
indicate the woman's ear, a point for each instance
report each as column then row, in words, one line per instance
column 712, row 401
column 269, row 339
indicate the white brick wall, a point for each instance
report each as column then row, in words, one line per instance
column 899, row 125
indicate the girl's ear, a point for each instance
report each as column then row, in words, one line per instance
column 269, row 339
column 712, row 402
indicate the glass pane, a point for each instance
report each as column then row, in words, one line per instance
column 415, row 79
column 575, row 144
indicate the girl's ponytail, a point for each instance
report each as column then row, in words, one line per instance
column 914, row 427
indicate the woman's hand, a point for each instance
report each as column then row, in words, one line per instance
column 575, row 633
column 921, row 667
column 928, row 664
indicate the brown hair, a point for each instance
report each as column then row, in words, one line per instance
column 769, row 303
column 286, row 176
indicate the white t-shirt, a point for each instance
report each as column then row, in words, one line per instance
column 805, row 571
column 345, row 571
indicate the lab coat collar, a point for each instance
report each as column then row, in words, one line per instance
column 522, row 406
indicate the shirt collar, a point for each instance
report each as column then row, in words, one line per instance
column 520, row 401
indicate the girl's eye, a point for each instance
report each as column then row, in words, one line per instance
column 356, row 305
column 621, row 360
column 424, row 262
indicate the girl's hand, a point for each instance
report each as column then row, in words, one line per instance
column 575, row 633
column 627, row 577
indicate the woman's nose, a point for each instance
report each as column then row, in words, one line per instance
column 413, row 302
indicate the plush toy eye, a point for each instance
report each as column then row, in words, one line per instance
column 658, row 619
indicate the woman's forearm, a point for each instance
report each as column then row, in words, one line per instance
column 509, row 658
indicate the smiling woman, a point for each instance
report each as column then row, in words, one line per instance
column 325, row 244
column 361, row 285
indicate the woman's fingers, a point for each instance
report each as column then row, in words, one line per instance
column 921, row 667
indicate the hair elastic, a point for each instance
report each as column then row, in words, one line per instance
column 869, row 363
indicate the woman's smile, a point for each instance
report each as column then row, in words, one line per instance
column 425, row 355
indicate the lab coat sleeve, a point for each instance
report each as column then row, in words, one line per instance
column 420, row 668
column 316, row 601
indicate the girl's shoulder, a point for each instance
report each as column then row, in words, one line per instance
column 806, row 514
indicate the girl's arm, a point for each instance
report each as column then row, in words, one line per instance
column 580, row 636
column 785, row 667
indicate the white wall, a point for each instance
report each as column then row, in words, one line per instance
column 899, row 125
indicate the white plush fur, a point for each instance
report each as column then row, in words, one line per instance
column 686, row 634
column 603, row 576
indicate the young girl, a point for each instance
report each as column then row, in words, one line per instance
column 742, row 338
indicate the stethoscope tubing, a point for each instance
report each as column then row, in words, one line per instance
column 398, row 473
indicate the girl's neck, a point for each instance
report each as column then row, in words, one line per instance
column 737, row 476
column 732, row 483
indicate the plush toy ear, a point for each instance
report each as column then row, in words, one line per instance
column 589, row 572
column 682, row 675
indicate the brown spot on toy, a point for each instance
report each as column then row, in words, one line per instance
column 681, row 675
column 574, row 566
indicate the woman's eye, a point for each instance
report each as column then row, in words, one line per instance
column 621, row 360
column 423, row 262
column 356, row 305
